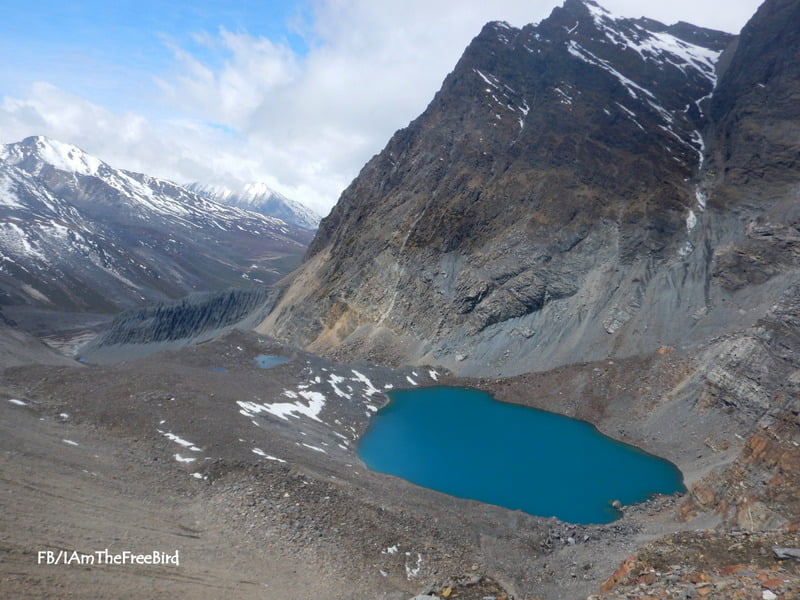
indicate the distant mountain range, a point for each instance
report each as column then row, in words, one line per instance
column 260, row 198
column 78, row 235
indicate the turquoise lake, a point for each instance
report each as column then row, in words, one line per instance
column 464, row 443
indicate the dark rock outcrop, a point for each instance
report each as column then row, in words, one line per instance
column 196, row 318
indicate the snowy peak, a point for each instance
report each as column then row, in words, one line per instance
column 653, row 41
column 259, row 197
column 584, row 60
column 45, row 151
column 682, row 46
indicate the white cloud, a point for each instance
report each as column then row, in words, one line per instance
column 247, row 108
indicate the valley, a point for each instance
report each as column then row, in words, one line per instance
column 595, row 216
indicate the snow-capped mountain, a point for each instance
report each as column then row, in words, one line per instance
column 77, row 234
column 259, row 197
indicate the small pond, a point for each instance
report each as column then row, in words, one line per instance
column 464, row 443
column 266, row 361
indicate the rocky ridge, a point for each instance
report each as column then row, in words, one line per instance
column 542, row 210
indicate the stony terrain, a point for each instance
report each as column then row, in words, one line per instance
column 199, row 428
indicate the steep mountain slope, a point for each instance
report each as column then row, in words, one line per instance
column 78, row 235
column 754, row 165
column 542, row 210
column 260, row 198
column 18, row 348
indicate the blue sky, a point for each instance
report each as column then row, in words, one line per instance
column 88, row 46
column 295, row 93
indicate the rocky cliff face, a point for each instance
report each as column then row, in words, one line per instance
column 170, row 325
column 551, row 205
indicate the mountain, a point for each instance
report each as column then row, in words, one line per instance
column 547, row 207
column 568, row 218
column 260, row 198
column 77, row 235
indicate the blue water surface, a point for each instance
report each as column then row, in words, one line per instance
column 265, row 361
column 464, row 443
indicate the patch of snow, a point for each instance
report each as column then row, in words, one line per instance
column 411, row 381
column 631, row 86
column 17, row 402
column 371, row 389
column 598, row 12
column 434, row 375
column 67, row 157
column 8, row 196
column 70, row 442
column 390, row 550
column 413, row 571
column 691, row 221
column 18, row 242
column 263, row 454
column 315, row 448
column 697, row 140
column 333, row 381
column 701, row 197
column 182, row 459
column 564, row 97
column 657, row 46
column 284, row 410
column 174, row 438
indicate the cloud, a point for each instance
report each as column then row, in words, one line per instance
column 235, row 106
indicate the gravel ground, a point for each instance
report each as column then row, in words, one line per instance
column 199, row 451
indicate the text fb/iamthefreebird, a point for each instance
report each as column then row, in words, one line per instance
column 107, row 557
